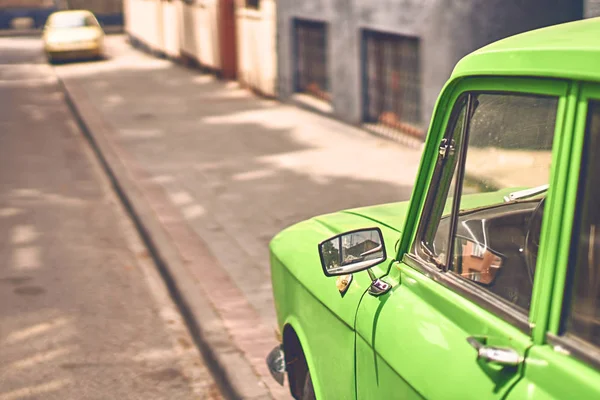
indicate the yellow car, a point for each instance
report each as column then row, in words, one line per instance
column 73, row 34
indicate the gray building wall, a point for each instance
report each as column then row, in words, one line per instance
column 447, row 29
column 592, row 8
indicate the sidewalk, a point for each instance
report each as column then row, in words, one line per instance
column 211, row 174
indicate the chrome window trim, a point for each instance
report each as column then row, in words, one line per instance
column 576, row 348
column 487, row 300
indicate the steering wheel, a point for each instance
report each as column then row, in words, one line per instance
column 532, row 238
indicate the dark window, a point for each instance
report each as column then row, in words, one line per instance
column 311, row 59
column 583, row 301
column 392, row 81
column 253, row 4
column 484, row 201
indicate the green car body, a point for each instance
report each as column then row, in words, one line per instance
column 428, row 335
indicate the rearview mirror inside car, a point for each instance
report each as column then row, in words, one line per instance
column 352, row 251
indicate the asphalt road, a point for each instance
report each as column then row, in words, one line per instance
column 83, row 312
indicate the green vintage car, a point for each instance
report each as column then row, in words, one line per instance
column 485, row 284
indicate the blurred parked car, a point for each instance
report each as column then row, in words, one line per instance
column 486, row 284
column 73, row 34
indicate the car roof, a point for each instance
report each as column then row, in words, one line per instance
column 72, row 12
column 570, row 51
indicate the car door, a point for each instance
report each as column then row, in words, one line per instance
column 459, row 326
column 565, row 360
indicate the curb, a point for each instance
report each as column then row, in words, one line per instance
column 231, row 370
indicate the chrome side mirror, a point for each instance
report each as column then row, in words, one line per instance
column 352, row 252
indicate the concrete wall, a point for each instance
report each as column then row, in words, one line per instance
column 175, row 27
column 447, row 29
column 200, row 32
column 25, row 13
column 256, row 46
column 143, row 20
column 592, row 8
column 27, row 4
column 196, row 29
column 170, row 14
column 98, row 6
column 109, row 12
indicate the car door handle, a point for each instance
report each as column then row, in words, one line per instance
column 496, row 355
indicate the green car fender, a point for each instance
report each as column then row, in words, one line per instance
column 308, row 302
column 293, row 326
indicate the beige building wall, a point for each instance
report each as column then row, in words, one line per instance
column 143, row 20
column 192, row 28
column 170, row 27
column 256, row 46
column 200, row 32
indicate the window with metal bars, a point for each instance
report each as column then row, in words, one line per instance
column 392, row 80
column 253, row 4
column 311, row 70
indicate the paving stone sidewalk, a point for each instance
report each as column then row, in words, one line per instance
column 223, row 171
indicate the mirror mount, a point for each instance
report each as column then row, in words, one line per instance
column 378, row 287
column 371, row 274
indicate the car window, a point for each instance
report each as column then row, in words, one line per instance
column 90, row 21
column 68, row 20
column 582, row 305
column 446, row 182
column 499, row 182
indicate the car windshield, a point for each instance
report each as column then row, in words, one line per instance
column 62, row 21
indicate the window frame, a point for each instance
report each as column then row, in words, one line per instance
column 375, row 37
column 297, row 24
column 556, row 334
column 526, row 322
column 432, row 202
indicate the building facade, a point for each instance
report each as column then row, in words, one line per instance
column 592, row 8
column 256, row 29
column 376, row 63
column 100, row 7
column 25, row 13
column 156, row 24
column 382, row 63
column 108, row 12
column 233, row 38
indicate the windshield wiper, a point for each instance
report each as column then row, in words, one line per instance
column 523, row 194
